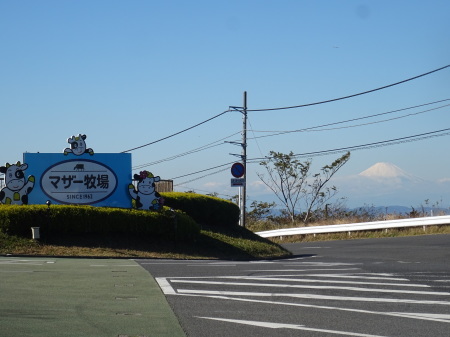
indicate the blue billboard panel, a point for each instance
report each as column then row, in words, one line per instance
column 98, row 180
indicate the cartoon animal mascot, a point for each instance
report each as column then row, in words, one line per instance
column 16, row 188
column 77, row 146
column 146, row 196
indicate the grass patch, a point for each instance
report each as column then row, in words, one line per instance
column 213, row 243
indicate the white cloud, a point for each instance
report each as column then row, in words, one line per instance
column 214, row 184
column 257, row 187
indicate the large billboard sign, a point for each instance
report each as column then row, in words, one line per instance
column 98, row 180
column 79, row 177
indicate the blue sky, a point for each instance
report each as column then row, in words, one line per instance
column 127, row 73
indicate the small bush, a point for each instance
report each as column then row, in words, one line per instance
column 205, row 210
column 63, row 220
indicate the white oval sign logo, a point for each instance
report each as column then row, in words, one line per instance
column 79, row 181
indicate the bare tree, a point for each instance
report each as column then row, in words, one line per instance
column 290, row 181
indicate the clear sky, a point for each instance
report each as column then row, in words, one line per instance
column 127, row 73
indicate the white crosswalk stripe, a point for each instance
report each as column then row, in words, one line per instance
column 316, row 284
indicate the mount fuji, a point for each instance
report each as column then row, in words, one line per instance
column 385, row 184
column 387, row 172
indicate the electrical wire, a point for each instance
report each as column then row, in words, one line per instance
column 209, row 192
column 177, row 133
column 422, row 136
column 201, row 148
column 206, row 175
column 277, row 133
column 418, row 137
column 211, row 168
column 369, row 116
column 350, row 96
column 254, row 137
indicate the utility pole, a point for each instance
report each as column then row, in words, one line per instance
column 243, row 156
column 244, row 159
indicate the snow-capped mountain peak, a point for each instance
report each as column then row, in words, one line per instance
column 388, row 170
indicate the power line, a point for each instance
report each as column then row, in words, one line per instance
column 201, row 148
column 206, row 175
column 422, row 136
column 177, row 133
column 211, row 168
column 320, row 127
column 213, row 144
column 354, row 95
column 418, row 137
column 209, row 192
column 255, row 138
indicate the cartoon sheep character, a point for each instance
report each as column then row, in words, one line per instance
column 16, row 188
column 77, row 146
column 146, row 196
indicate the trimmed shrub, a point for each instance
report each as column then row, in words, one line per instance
column 205, row 210
column 62, row 220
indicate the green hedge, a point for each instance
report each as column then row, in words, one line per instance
column 205, row 210
column 73, row 220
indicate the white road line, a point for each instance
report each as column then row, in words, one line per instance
column 310, row 270
column 343, row 275
column 271, row 278
column 33, row 262
column 21, row 263
column 311, row 296
column 165, row 286
column 421, row 315
column 114, row 265
column 323, row 281
column 356, row 276
column 312, row 287
column 322, row 264
column 403, row 315
column 287, row 326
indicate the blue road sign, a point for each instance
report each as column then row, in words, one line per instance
column 237, row 170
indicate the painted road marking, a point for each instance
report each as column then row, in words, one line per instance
column 271, row 325
column 322, row 264
column 277, row 285
column 25, row 262
column 165, row 286
column 425, row 317
column 421, row 315
column 268, row 278
column 333, row 278
column 310, row 270
column 310, row 296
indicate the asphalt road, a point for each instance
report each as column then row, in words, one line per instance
column 371, row 287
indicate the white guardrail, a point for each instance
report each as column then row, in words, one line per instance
column 362, row 226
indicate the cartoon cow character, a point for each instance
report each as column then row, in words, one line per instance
column 77, row 146
column 146, row 196
column 16, row 188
